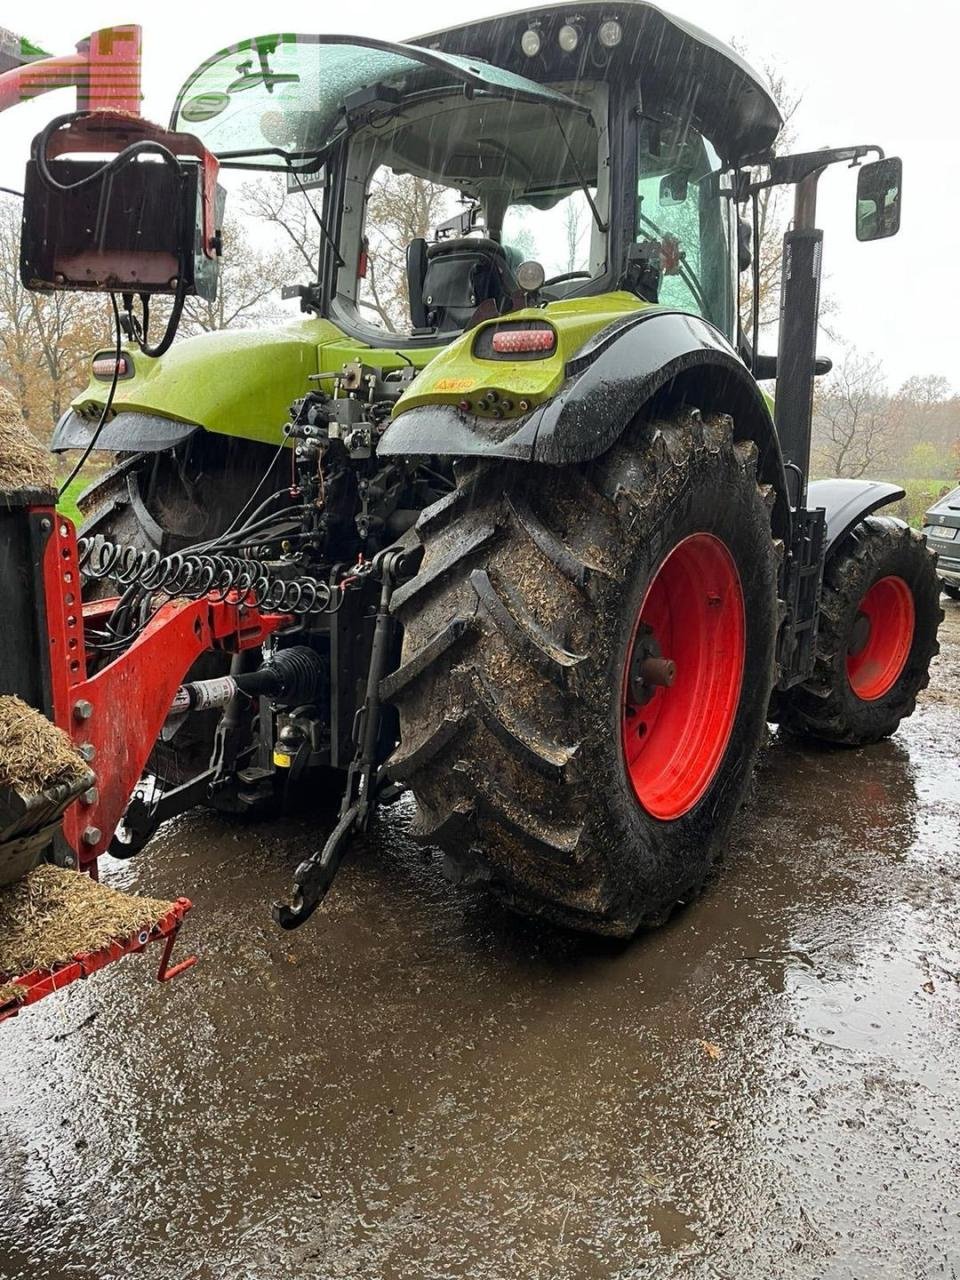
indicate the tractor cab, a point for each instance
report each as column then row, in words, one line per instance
column 599, row 147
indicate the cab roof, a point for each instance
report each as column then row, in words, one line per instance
column 677, row 65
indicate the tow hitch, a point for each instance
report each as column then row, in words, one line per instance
column 366, row 783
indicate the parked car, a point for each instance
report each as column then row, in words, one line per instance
column 941, row 524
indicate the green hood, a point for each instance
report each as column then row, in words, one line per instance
column 241, row 382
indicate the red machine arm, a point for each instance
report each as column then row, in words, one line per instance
column 115, row 716
column 105, row 71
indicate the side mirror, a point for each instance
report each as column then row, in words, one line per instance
column 878, row 199
column 674, row 188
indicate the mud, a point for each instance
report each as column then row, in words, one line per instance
column 418, row 1085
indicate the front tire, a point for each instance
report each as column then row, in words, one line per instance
column 520, row 700
column 879, row 614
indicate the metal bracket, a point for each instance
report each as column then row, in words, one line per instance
column 365, row 782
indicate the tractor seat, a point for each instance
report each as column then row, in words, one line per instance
column 454, row 283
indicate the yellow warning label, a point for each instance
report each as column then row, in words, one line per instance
column 282, row 760
column 454, row 384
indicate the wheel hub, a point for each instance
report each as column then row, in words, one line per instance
column 682, row 676
column 879, row 646
column 649, row 669
column 859, row 635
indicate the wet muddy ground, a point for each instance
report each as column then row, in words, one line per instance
column 418, row 1085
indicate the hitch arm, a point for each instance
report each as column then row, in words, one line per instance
column 315, row 874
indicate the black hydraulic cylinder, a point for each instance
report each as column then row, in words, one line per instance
column 799, row 317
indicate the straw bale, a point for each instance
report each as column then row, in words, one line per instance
column 34, row 753
column 24, row 464
column 52, row 914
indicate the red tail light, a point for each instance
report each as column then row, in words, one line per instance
column 104, row 363
column 514, row 341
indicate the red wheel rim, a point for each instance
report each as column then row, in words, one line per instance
column 673, row 738
column 880, row 656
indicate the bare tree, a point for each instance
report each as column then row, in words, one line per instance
column 268, row 200
column 573, row 229
column 400, row 207
column 249, row 287
column 855, row 420
column 773, row 212
column 45, row 339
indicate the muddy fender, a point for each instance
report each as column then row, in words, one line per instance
column 846, row 502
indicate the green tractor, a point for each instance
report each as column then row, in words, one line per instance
column 572, row 562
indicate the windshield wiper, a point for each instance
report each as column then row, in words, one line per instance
column 602, row 227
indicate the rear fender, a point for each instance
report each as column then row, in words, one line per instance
column 656, row 358
column 846, row 502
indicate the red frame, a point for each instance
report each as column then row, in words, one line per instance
column 44, row 982
column 129, row 700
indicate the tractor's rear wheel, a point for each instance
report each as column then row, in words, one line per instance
column 879, row 615
column 588, row 653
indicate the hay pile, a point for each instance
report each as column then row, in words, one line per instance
column 52, row 914
column 11, row 991
column 34, row 753
column 24, row 464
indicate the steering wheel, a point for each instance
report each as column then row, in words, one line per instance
column 567, row 275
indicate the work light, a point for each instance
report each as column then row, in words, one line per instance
column 530, row 42
column 568, row 37
column 610, row 33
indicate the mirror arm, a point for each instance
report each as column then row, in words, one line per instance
column 787, row 170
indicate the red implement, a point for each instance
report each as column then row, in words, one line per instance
column 44, row 982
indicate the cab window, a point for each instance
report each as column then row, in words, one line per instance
column 680, row 207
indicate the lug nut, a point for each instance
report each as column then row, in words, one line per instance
column 87, row 750
column 82, row 710
column 91, row 836
column 90, row 796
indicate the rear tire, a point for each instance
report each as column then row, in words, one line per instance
column 950, row 590
column 512, row 686
column 879, row 614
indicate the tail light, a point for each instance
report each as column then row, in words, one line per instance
column 524, row 340
column 104, row 363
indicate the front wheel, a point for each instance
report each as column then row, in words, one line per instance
column 879, row 614
column 588, row 654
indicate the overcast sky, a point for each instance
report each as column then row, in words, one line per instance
column 880, row 73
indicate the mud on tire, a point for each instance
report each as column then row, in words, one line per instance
column 827, row 706
column 516, row 631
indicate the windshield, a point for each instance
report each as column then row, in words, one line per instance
column 680, row 206
column 265, row 101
